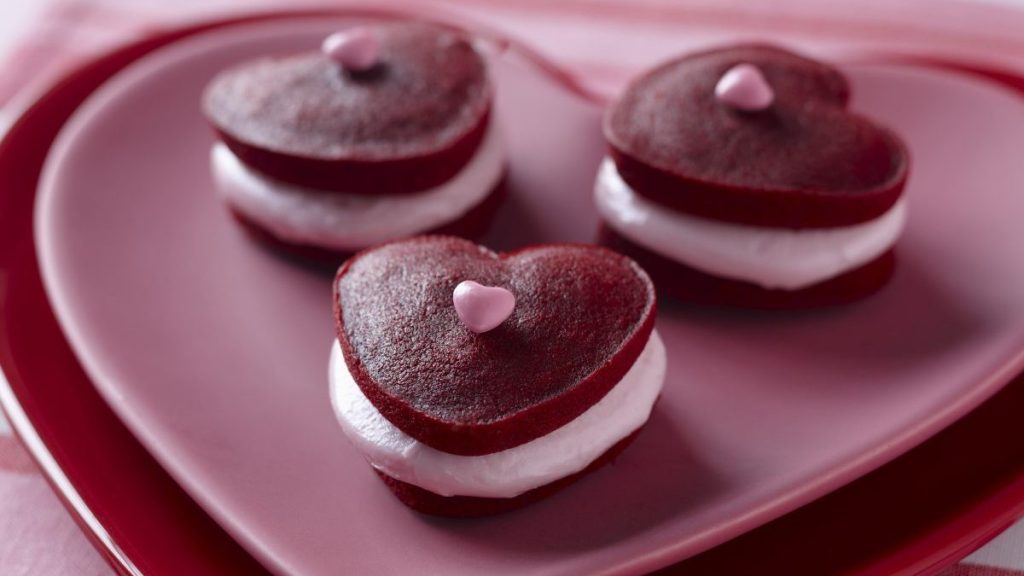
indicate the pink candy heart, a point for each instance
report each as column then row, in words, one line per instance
column 355, row 49
column 482, row 308
column 744, row 87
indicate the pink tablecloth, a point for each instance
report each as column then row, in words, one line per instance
column 38, row 538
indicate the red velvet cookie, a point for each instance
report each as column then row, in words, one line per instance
column 582, row 316
column 409, row 122
column 688, row 284
column 472, row 224
column 804, row 162
column 473, row 506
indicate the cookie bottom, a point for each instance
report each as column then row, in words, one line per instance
column 688, row 284
column 471, row 225
column 428, row 502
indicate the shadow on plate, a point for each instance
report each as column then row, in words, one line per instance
column 656, row 479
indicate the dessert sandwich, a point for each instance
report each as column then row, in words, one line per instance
column 738, row 176
column 385, row 132
column 474, row 382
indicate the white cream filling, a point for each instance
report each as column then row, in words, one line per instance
column 770, row 257
column 349, row 222
column 511, row 472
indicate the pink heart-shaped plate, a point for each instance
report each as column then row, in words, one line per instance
column 214, row 352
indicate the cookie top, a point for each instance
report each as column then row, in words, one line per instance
column 582, row 316
column 306, row 119
column 804, row 161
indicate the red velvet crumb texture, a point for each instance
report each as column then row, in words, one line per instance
column 583, row 314
column 805, row 162
column 408, row 124
column 688, row 284
column 473, row 506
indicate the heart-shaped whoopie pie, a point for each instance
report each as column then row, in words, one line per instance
column 582, row 316
column 806, row 161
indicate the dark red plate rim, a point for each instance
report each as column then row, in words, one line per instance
column 915, row 515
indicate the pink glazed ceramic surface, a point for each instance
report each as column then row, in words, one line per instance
column 214, row 351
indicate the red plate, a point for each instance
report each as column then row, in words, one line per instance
column 110, row 470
